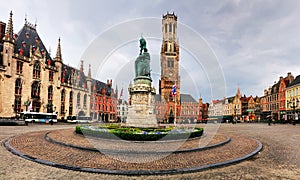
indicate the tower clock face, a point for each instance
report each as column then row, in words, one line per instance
column 171, row 73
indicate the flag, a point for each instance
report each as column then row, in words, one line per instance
column 30, row 106
column 174, row 90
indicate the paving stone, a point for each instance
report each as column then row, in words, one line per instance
column 278, row 160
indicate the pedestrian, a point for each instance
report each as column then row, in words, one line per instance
column 295, row 120
column 269, row 121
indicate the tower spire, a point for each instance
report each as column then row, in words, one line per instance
column 81, row 65
column 238, row 93
column 89, row 73
column 58, row 52
column 10, row 30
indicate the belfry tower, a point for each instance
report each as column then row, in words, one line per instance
column 169, row 59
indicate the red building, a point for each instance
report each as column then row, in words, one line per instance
column 103, row 101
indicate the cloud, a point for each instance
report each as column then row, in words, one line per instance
column 254, row 41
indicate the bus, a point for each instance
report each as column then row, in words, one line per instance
column 79, row 119
column 38, row 117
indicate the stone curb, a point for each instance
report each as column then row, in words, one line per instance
column 134, row 172
column 110, row 151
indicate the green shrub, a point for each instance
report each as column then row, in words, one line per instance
column 139, row 134
column 78, row 130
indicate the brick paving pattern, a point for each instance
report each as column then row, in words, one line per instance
column 278, row 160
column 34, row 145
column 68, row 136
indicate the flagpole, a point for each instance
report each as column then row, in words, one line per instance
column 175, row 111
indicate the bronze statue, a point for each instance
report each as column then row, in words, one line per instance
column 143, row 45
column 142, row 63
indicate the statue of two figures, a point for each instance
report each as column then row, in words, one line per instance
column 142, row 63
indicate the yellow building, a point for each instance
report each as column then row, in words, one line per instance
column 237, row 105
column 292, row 99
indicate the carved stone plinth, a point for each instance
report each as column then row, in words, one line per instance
column 141, row 112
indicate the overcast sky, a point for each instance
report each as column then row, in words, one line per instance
column 254, row 42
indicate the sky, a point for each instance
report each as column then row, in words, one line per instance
column 224, row 44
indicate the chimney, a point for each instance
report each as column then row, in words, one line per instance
column 290, row 77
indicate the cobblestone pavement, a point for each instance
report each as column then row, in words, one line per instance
column 279, row 159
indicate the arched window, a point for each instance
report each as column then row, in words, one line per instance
column 78, row 100
column 62, row 101
column 50, row 93
column 170, row 27
column 50, row 100
column 18, row 96
column 18, row 86
column 36, row 70
column 84, row 101
column 166, row 28
column 71, row 103
column 174, row 28
column 71, row 97
column 35, row 90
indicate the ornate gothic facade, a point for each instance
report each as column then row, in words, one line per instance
column 30, row 77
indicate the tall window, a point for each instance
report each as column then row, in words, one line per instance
column 84, row 101
column 50, row 100
column 35, row 90
column 51, row 75
column 36, row 70
column 62, row 101
column 19, row 67
column 170, row 62
column 18, row 92
column 166, row 28
column 17, row 105
column 78, row 100
column 71, row 103
column 170, row 27
column 174, row 28
column 50, row 93
column 18, row 87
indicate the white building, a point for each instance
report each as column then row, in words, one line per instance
column 122, row 110
column 216, row 108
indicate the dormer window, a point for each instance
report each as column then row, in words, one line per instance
column 24, row 43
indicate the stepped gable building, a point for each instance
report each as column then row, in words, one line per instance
column 274, row 99
column 292, row 100
column 167, row 104
column 30, row 77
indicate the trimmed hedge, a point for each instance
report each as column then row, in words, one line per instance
column 139, row 134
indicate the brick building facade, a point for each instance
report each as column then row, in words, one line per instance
column 170, row 106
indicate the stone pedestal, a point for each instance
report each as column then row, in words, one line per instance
column 141, row 109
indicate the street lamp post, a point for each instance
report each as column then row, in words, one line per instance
column 294, row 103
